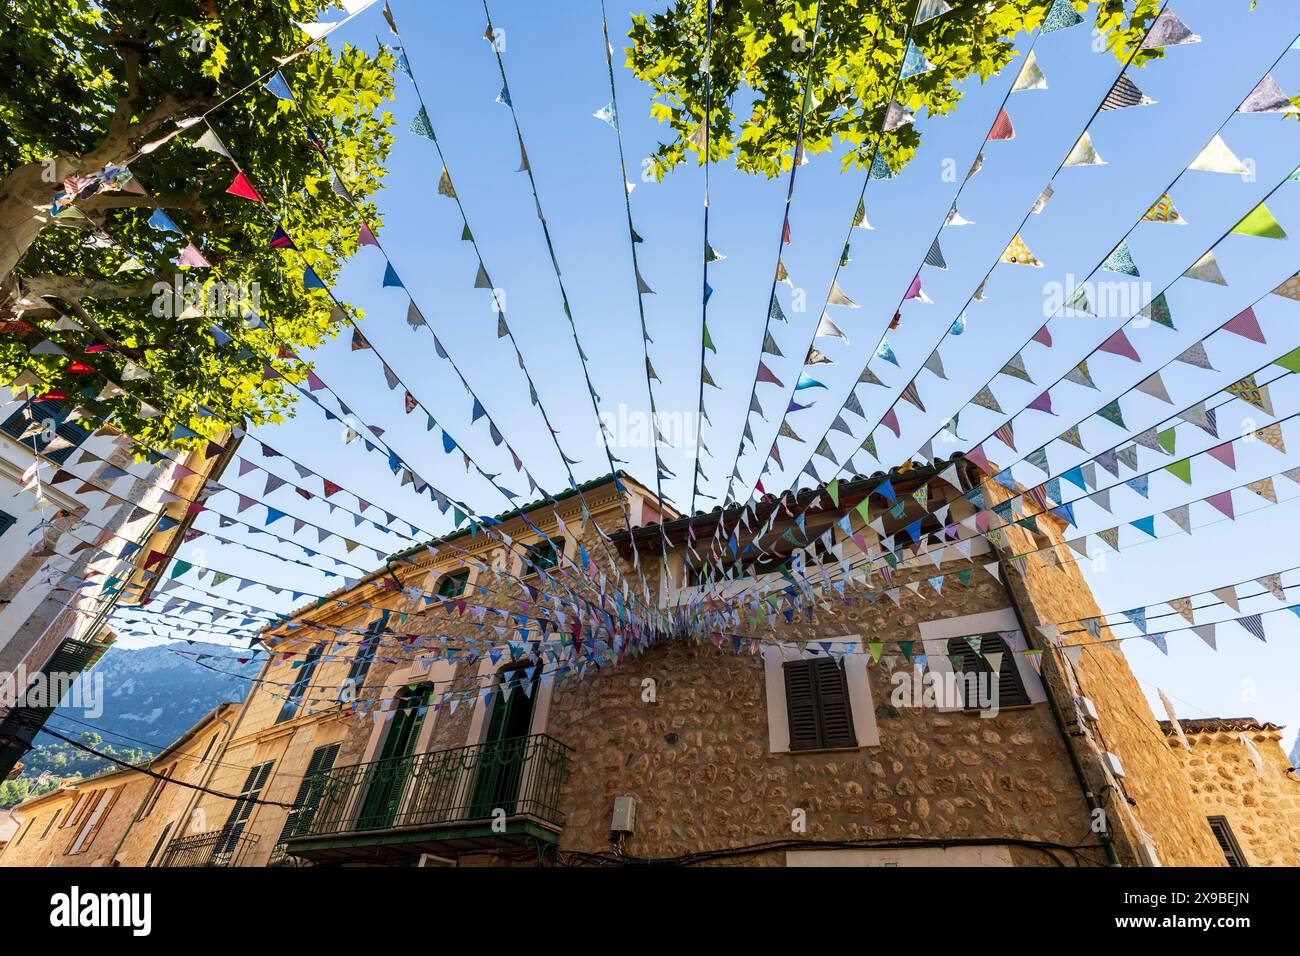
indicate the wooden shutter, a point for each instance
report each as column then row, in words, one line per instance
column 801, row 705
column 833, row 700
column 1227, row 841
column 817, row 704
column 309, row 791
column 107, row 801
column 155, row 791
column 1011, row 689
column 162, row 841
column 243, row 808
column 102, row 802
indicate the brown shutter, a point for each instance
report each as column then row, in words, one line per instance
column 1011, row 689
column 833, row 697
column 111, row 797
column 801, row 705
column 817, row 703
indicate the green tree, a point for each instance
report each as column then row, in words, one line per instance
column 761, row 50
column 88, row 83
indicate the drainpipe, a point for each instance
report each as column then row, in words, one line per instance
column 1093, row 803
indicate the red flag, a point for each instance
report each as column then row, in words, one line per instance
column 242, row 188
column 1002, row 128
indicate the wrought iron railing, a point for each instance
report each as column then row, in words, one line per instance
column 214, row 848
column 520, row 776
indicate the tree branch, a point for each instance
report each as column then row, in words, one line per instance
column 76, row 288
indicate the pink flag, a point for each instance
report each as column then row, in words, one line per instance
column 1224, row 455
column 1043, row 337
column 190, row 256
column 765, row 375
column 1118, row 344
column 977, row 457
column 914, row 289
column 366, row 237
column 890, row 421
column 1222, row 501
column 1246, row 325
column 1043, row 403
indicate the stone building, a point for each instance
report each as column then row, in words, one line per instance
column 1245, row 785
column 888, row 681
column 125, row 816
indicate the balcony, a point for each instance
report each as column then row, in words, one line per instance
column 501, row 798
column 215, row 848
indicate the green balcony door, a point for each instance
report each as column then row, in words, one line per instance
column 386, row 778
column 500, row 764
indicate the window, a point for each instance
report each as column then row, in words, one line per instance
column 817, row 705
column 1227, row 841
column 78, row 808
column 47, row 413
column 972, row 666
column 50, row 826
column 305, row 670
column 208, row 749
column 453, row 585
column 544, row 556
column 26, row 830
column 155, row 791
column 365, row 656
column 7, row 521
column 309, row 792
column 243, row 808
column 103, row 801
column 157, row 847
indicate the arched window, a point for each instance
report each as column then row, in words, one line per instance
column 970, row 662
column 453, row 585
column 543, row 556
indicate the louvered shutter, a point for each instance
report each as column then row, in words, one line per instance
column 309, row 792
column 801, row 705
column 817, row 704
column 833, row 700
column 1227, row 841
column 1011, row 689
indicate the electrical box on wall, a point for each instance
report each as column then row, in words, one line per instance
column 624, row 815
column 1087, row 708
column 1113, row 763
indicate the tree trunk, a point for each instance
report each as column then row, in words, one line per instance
column 27, row 192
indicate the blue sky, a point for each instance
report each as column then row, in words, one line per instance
column 555, row 60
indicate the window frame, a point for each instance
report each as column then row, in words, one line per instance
column 59, row 412
column 861, row 704
column 94, row 821
column 259, row 775
column 556, row 547
column 461, row 576
column 1008, row 669
column 1227, row 840
column 155, row 791
column 306, row 673
column 826, row 687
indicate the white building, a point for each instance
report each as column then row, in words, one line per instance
column 79, row 520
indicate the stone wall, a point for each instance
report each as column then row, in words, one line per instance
column 131, row 829
column 1263, row 811
column 1151, row 803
